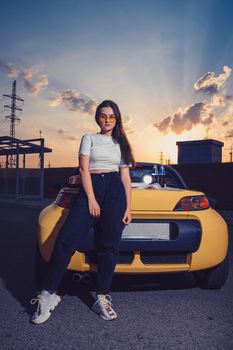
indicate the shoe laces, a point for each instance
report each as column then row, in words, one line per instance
column 41, row 303
column 105, row 300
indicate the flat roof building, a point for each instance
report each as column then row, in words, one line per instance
column 199, row 151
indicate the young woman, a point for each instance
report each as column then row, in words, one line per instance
column 105, row 196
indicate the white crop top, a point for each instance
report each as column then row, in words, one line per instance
column 104, row 153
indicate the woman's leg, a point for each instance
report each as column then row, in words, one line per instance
column 76, row 226
column 114, row 206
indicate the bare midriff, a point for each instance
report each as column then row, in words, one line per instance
column 96, row 171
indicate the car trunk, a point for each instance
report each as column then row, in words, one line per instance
column 150, row 199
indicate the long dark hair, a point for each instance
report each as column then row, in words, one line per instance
column 118, row 132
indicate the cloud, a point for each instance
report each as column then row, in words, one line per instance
column 56, row 100
column 163, row 126
column 10, row 69
column 229, row 134
column 90, row 106
column 187, row 118
column 66, row 135
column 74, row 101
column 31, row 79
column 33, row 84
column 127, row 124
column 203, row 112
column 211, row 84
column 221, row 100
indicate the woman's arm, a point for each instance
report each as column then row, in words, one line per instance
column 126, row 180
column 87, row 185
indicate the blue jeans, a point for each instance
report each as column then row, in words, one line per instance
column 110, row 194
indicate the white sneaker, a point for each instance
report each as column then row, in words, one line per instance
column 46, row 303
column 103, row 307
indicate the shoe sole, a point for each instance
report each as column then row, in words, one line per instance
column 48, row 314
column 102, row 316
column 107, row 319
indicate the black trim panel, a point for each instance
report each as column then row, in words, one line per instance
column 162, row 258
column 185, row 237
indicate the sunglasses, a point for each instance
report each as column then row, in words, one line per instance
column 104, row 118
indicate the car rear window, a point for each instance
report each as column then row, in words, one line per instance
column 172, row 177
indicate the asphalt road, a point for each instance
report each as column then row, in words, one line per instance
column 159, row 312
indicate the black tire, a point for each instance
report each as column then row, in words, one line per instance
column 40, row 268
column 213, row 278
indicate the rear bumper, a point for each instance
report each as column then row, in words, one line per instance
column 79, row 263
column 150, row 255
column 198, row 240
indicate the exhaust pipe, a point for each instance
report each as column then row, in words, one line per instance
column 86, row 278
column 77, row 278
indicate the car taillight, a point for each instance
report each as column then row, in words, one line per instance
column 192, row 203
column 64, row 200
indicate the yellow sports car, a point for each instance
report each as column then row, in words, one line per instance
column 173, row 229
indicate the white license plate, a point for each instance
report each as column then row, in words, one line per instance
column 144, row 230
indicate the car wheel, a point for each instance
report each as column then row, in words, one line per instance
column 213, row 278
column 40, row 268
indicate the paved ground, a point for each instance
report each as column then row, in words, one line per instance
column 162, row 312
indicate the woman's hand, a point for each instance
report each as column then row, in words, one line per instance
column 94, row 207
column 127, row 217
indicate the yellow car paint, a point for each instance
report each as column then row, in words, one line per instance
column 147, row 204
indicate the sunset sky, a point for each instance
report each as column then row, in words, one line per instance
column 167, row 64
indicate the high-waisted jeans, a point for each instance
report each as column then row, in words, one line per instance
column 110, row 194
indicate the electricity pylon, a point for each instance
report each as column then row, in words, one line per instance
column 13, row 117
